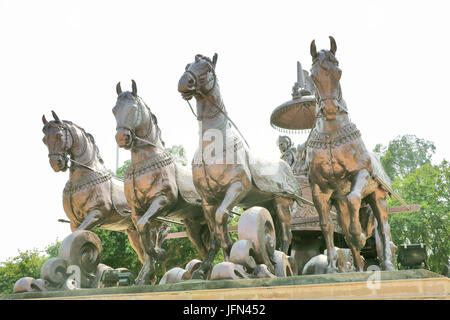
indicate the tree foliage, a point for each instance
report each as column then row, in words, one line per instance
column 117, row 251
column 407, row 161
column 429, row 187
column 404, row 154
column 178, row 153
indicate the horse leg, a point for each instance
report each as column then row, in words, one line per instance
column 214, row 243
column 148, row 228
column 283, row 208
column 378, row 203
column 162, row 230
column 92, row 220
column 235, row 193
column 344, row 221
column 322, row 204
column 146, row 231
column 135, row 241
column 194, row 231
column 360, row 181
column 142, row 277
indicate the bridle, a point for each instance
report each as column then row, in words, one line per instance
column 199, row 82
column 321, row 100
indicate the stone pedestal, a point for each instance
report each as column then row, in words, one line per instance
column 406, row 284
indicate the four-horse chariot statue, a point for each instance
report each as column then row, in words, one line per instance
column 329, row 190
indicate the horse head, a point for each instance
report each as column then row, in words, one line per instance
column 326, row 74
column 133, row 117
column 59, row 141
column 198, row 78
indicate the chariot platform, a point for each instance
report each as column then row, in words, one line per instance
column 405, row 284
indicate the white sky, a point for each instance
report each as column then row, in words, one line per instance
column 69, row 55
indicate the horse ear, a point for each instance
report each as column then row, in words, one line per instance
column 44, row 120
column 134, row 88
column 313, row 49
column 333, row 46
column 55, row 116
column 118, row 88
column 197, row 57
column 214, row 60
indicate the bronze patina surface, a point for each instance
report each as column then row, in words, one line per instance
column 341, row 170
column 227, row 174
column 155, row 186
column 92, row 197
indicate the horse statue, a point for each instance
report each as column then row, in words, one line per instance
column 341, row 170
column 155, row 186
column 92, row 198
column 225, row 172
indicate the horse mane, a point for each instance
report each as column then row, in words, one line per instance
column 88, row 135
column 129, row 95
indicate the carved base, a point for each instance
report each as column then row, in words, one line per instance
column 77, row 266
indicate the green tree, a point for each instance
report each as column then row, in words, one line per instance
column 429, row 187
column 404, row 154
column 178, row 153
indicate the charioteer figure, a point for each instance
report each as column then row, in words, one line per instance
column 288, row 153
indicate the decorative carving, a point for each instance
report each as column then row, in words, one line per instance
column 319, row 264
column 83, row 249
column 29, row 284
column 254, row 255
column 242, row 253
column 178, row 274
column 54, row 271
column 77, row 266
column 256, row 225
column 283, row 266
column 229, row 270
